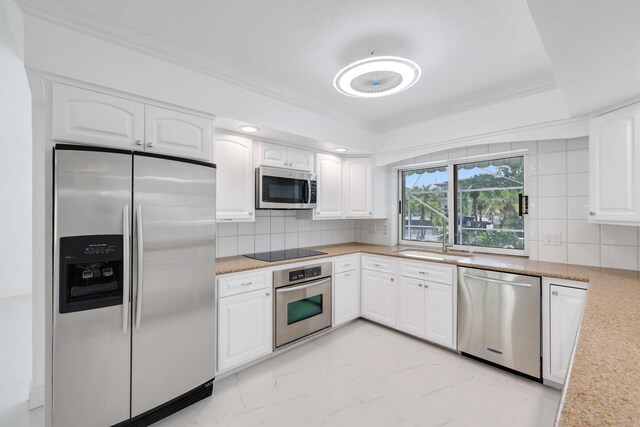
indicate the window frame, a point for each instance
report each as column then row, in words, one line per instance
column 451, row 194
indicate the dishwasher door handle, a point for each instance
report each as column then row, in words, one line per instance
column 502, row 282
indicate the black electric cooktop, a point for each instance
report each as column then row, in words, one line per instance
column 274, row 256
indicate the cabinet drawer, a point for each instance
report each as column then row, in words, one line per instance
column 428, row 271
column 381, row 264
column 347, row 264
column 241, row 283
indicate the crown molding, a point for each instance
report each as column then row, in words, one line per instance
column 482, row 99
column 70, row 18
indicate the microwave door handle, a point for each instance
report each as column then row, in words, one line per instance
column 307, row 196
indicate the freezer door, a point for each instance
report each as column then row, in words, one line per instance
column 174, row 274
column 91, row 331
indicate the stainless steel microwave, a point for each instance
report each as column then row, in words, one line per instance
column 278, row 188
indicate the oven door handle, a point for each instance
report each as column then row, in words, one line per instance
column 294, row 288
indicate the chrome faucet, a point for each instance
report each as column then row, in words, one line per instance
column 445, row 235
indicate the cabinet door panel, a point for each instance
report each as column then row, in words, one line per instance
column 439, row 313
column 300, row 159
column 411, row 306
column 565, row 310
column 89, row 117
column 379, row 297
column 358, row 190
column 244, row 328
column 614, row 156
column 273, row 155
column 329, row 171
column 346, row 296
column 177, row 134
column 235, row 185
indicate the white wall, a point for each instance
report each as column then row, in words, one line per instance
column 15, row 162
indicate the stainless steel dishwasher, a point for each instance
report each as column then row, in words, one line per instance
column 499, row 319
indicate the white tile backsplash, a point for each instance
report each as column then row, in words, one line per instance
column 552, row 185
column 618, row 235
column 583, row 254
column 552, row 207
column 552, row 163
column 578, row 161
column 619, row 256
column 578, row 184
column 277, row 230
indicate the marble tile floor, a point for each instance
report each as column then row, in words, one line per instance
column 359, row 375
column 367, row 375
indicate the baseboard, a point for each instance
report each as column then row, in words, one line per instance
column 36, row 396
column 14, row 292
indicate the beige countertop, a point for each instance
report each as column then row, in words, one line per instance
column 604, row 381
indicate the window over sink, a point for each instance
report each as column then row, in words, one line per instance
column 474, row 204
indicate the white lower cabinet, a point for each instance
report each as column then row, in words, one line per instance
column 411, row 299
column 438, row 313
column 425, row 309
column 379, row 297
column 562, row 310
column 346, row 296
column 244, row 328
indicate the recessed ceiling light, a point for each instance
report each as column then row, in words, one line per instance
column 340, row 150
column 247, row 128
column 377, row 76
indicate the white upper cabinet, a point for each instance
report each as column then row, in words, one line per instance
column 280, row 156
column 300, row 159
column 329, row 171
column 358, row 188
column 614, row 167
column 85, row 116
column 177, row 134
column 90, row 117
column 235, row 183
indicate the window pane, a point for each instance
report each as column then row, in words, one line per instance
column 487, row 198
column 424, row 204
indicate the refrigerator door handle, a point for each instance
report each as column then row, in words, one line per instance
column 140, row 265
column 126, row 266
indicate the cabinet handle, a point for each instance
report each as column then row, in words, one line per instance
column 347, row 275
column 420, row 285
column 151, row 144
column 392, row 279
column 592, row 213
column 426, row 286
column 246, row 284
column 377, row 265
column 268, row 293
column 251, row 213
column 138, row 142
column 347, row 265
column 554, row 293
column 423, row 272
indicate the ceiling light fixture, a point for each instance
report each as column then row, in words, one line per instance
column 250, row 129
column 377, row 76
column 340, row 150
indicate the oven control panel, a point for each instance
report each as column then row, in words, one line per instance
column 306, row 273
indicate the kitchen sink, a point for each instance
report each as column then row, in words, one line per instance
column 432, row 255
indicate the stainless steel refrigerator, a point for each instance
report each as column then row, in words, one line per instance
column 133, row 286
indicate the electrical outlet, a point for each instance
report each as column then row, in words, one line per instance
column 552, row 239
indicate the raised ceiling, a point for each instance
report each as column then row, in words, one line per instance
column 471, row 52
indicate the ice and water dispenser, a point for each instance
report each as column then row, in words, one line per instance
column 90, row 272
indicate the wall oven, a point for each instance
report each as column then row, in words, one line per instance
column 302, row 302
column 278, row 188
